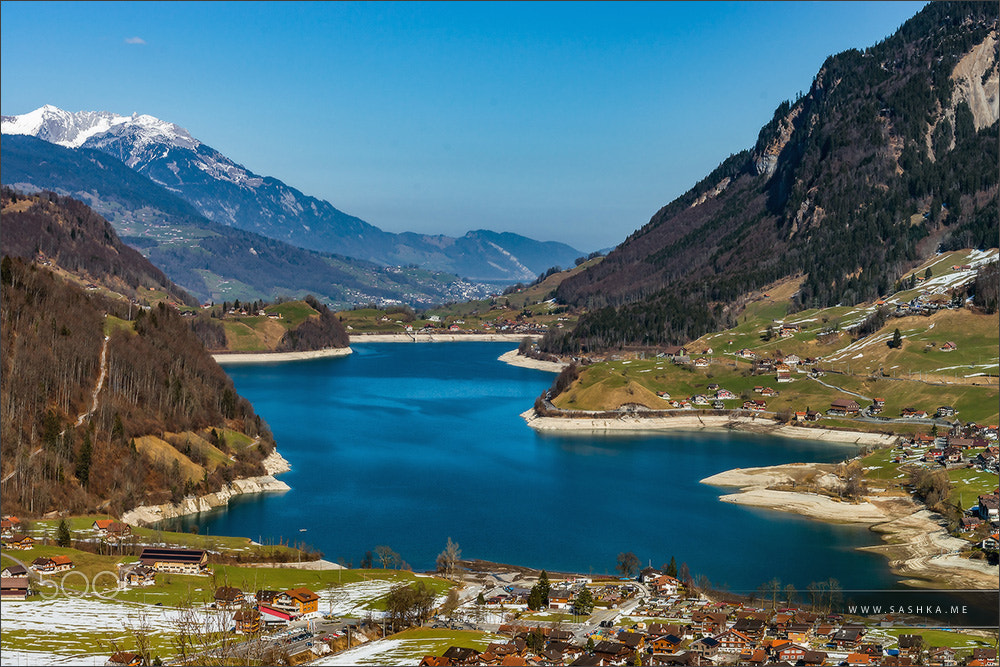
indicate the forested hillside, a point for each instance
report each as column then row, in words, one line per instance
column 890, row 155
column 66, row 233
column 100, row 411
column 287, row 326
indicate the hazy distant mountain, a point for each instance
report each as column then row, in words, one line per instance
column 228, row 193
column 210, row 260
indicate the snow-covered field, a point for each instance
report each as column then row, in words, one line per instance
column 44, row 658
column 71, row 626
column 354, row 599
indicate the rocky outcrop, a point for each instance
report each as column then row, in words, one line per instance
column 273, row 464
column 977, row 82
column 765, row 160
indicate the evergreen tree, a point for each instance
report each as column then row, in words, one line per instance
column 543, row 585
column 83, row 460
column 671, row 569
column 584, row 602
column 62, row 534
column 897, row 340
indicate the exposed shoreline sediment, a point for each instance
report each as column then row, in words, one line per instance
column 274, row 464
column 915, row 540
column 269, row 357
column 420, row 337
column 763, row 425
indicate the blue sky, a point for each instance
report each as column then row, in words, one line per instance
column 562, row 121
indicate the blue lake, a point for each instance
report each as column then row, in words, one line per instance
column 409, row 444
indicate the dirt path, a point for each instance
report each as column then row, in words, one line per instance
column 100, row 383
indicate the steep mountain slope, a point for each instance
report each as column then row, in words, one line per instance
column 211, row 260
column 107, row 406
column 228, row 193
column 66, row 233
column 891, row 154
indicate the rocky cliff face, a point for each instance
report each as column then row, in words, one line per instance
column 977, row 81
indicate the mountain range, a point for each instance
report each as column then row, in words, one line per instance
column 210, row 260
column 228, row 193
column 890, row 156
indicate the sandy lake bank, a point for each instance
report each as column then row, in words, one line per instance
column 515, row 359
column 270, row 357
column 682, row 422
column 420, row 337
column 916, row 541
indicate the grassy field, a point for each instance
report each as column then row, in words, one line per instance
column 918, row 375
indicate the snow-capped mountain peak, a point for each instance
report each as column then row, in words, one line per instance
column 72, row 130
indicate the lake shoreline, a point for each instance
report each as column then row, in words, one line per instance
column 514, row 358
column 763, row 425
column 914, row 540
column 420, row 337
column 274, row 464
column 272, row 357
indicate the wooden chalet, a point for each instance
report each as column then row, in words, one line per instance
column 228, row 597
column 141, row 575
column 51, row 565
column 20, row 542
column 458, row 655
column 180, row 561
column 125, row 658
column 17, row 571
column 8, row 525
column 13, row 588
column 844, row 407
column 248, row 620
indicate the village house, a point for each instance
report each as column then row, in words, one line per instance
column 951, row 456
column 945, row 411
column 724, row 395
column 747, row 354
column 179, row 561
column 844, row 407
column 783, row 372
column 664, row 644
column 305, row 600
column 949, row 347
column 878, row 404
column 705, row 647
column 755, row 405
column 228, row 597
column 20, row 542
column 769, row 392
column 989, row 507
column 847, row 637
column 125, row 659
column 8, row 525
column 247, row 620
column 46, row 565
column 708, row 623
column 101, row 525
column 701, row 362
column 141, row 576
column 733, row 641
column 16, row 570
column 14, row 588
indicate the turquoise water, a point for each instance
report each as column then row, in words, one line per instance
column 409, row 444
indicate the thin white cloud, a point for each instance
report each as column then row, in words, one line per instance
column 134, row 40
